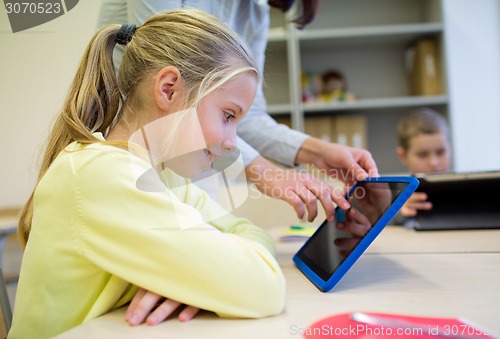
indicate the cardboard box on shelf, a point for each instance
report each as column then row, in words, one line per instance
column 348, row 129
column 351, row 129
column 423, row 67
column 321, row 127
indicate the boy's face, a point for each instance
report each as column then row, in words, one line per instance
column 427, row 153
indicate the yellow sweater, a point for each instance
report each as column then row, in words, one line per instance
column 105, row 223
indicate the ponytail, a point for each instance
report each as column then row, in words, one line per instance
column 91, row 105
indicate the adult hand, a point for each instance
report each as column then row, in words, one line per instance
column 417, row 201
column 145, row 306
column 301, row 190
column 341, row 162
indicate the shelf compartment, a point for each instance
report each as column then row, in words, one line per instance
column 356, row 13
column 373, row 35
column 376, row 103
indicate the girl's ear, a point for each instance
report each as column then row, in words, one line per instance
column 166, row 87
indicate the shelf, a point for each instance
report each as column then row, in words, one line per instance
column 363, row 36
column 377, row 103
column 356, row 32
column 367, row 104
column 370, row 48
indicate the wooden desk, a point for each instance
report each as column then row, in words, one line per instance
column 445, row 274
column 396, row 239
column 400, row 240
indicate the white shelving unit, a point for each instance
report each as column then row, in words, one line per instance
column 366, row 40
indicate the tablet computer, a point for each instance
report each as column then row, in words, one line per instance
column 466, row 200
column 329, row 253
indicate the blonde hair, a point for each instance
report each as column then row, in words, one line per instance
column 417, row 122
column 205, row 51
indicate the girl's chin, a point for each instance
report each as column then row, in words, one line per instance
column 190, row 165
column 186, row 172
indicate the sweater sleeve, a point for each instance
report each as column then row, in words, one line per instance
column 213, row 213
column 144, row 234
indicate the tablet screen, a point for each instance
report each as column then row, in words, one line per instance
column 329, row 247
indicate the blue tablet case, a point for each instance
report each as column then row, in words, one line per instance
column 378, row 199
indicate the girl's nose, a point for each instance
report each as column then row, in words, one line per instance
column 228, row 148
column 229, row 142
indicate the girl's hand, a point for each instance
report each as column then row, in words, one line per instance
column 146, row 306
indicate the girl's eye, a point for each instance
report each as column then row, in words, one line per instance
column 228, row 116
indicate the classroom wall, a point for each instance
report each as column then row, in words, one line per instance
column 36, row 68
column 473, row 46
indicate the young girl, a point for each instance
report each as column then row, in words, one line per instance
column 110, row 214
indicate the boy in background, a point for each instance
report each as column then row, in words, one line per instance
column 424, row 147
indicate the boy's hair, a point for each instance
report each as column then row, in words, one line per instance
column 417, row 122
column 206, row 52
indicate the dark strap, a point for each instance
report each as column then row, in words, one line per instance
column 125, row 34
